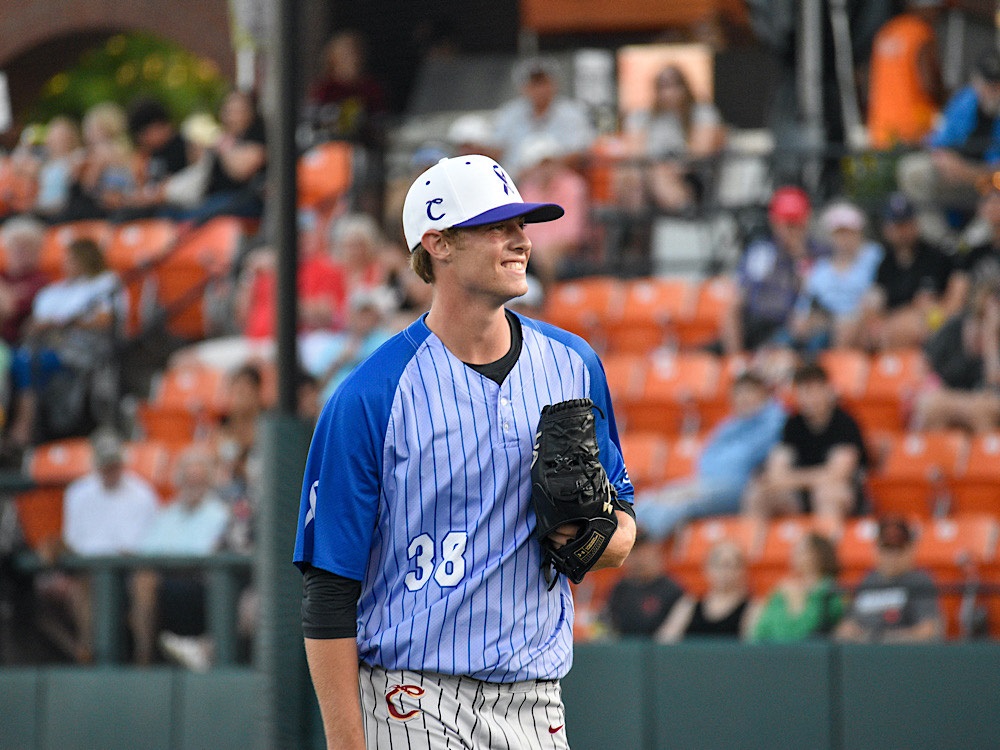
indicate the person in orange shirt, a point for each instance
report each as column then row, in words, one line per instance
column 905, row 90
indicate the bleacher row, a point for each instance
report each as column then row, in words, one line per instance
column 959, row 552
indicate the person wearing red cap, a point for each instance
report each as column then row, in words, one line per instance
column 771, row 273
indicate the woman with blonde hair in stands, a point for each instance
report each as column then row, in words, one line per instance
column 672, row 136
column 106, row 176
column 806, row 603
column 725, row 611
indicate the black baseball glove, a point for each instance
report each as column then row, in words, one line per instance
column 569, row 486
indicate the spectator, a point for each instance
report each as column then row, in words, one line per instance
column 982, row 261
column 913, row 292
column 356, row 247
column 193, row 524
column 806, row 603
column 106, row 179
column 543, row 176
column 819, row 465
column 671, row 137
column 71, row 330
column 239, row 161
column 236, row 436
column 905, row 88
column 348, row 102
column 964, row 357
column 829, row 308
column 161, row 151
column 472, row 133
column 725, row 611
column 106, row 512
column 771, row 274
column 21, row 278
column 539, row 109
column 895, row 603
column 640, row 602
column 963, row 149
column 734, row 450
column 62, row 158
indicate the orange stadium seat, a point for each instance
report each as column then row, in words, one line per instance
column 847, row 370
column 915, row 474
column 645, row 455
column 139, row 242
column 892, row 379
column 697, row 539
column 151, row 460
column 945, row 545
column 674, row 386
column 584, row 306
column 682, row 457
column 40, row 513
column 205, row 252
column 856, row 549
column 325, row 174
column 712, row 300
column 194, row 388
column 59, row 462
column 625, row 374
column 976, row 489
column 649, row 312
column 58, row 238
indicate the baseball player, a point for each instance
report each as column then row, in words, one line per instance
column 424, row 582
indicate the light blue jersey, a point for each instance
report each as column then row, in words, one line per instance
column 418, row 485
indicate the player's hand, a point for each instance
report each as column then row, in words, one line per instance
column 563, row 535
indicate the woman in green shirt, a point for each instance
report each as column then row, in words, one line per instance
column 807, row 603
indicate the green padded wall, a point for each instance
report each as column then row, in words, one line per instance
column 219, row 709
column 19, row 708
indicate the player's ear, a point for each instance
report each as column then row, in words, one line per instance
column 437, row 245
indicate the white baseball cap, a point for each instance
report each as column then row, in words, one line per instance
column 466, row 191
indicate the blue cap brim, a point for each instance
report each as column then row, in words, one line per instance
column 533, row 213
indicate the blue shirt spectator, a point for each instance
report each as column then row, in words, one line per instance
column 837, row 286
column 967, row 128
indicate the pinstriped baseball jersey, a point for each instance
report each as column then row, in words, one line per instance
column 418, row 485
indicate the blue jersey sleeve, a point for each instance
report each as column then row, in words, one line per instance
column 957, row 121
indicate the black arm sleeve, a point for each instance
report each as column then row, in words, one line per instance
column 329, row 605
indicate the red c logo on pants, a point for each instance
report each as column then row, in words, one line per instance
column 415, row 690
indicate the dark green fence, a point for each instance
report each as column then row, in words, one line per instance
column 623, row 696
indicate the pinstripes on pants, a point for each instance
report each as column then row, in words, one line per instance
column 427, row 711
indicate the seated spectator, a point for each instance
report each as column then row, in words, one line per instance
column 805, row 604
column 905, row 88
column 725, row 611
column 236, row 436
column 981, row 260
column 964, row 357
column 347, row 102
column 356, row 247
column 105, row 179
column 539, row 109
column 543, row 176
column 106, row 512
column 671, row 137
column 193, row 523
column 640, row 602
column 895, row 603
column 21, row 278
column 734, row 450
column 913, row 292
column 239, row 161
column 71, row 330
column 963, row 150
column 161, row 153
column 818, row 466
column 829, row 309
column 472, row 133
column 61, row 159
column 771, row 273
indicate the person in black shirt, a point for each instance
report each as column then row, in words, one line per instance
column 642, row 599
column 818, row 466
column 914, row 291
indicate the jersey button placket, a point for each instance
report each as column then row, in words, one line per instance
column 505, row 420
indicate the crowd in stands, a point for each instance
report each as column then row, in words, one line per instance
column 917, row 275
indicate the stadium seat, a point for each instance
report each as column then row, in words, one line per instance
column 151, row 460
column 40, row 513
column 712, row 300
column 584, row 306
column 139, row 242
column 58, row 462
column 976, row 489
column 674, row 386
column 946, row 545
column 915, row 475
column 58, row 238
column 645, row 455
column 892, row 379
column 648, row 315
column 325, row 174
column 625, row 374
column 847, row 370
column 856, row 549
column 682, row 457
column 204, row 253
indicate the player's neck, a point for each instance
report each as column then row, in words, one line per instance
column 475, row 334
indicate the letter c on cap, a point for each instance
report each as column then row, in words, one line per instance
column 430, row 212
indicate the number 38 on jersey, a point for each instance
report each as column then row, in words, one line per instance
column 446, row 568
